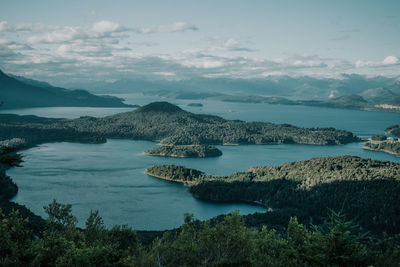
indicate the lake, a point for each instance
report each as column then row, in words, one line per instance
column 110, row 177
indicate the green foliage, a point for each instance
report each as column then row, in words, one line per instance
column 309, row 188
column 17, row 244
column 386, row 146
column 379, row 137
column 174, row 173
column 186, row 151
column 394, row 130
column 226, row 242
column 168, row 124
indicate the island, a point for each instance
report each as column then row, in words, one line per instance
column 306, row 188
column 185, row 151
column 174, row 173
column 168, row 124
column 195, row 105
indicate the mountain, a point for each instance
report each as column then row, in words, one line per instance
column 294, row 88
column 378, row 95
column 19, row 92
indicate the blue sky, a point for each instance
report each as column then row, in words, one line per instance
column 60, row 41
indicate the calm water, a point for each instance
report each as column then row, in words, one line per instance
column 110, row 177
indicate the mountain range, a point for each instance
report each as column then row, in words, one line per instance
column 294, row 88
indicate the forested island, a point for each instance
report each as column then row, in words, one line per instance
column 168, row 124
column 185, row 151
column 308, row 189
column 174, row 173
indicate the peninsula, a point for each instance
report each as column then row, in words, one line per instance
column 185, row 151
column 384, row 144
column 306, row 188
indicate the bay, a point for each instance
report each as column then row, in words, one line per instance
column 110, row 177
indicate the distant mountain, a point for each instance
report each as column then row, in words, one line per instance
column 19, row 92
column 378, row 95
column 295, row 88
column 30, row 81
column 347, row 101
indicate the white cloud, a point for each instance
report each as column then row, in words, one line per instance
column 176, row 27
column 105, row 26
column 165, row 73
column 204, row 63
column 4, row 26
column 107, row 50
column 390, row 60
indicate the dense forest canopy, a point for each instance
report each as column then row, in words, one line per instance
column 185, row 151
column 225, row 242
column 367, row 190
column 393, row 130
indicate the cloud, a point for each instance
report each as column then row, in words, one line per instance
column 107, row 50
column 25, row 27
column 387, row 61
column 105, row 26
column 390, row 60
column 176, row 27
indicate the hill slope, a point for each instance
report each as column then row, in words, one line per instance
column 22, row 93
column 364, row 189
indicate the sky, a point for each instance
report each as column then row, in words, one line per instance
column 70, row 41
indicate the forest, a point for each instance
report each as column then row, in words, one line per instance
column 224, row 242
column 168, row 124
column 368, row 191
column 393, row 130
column 185, row 151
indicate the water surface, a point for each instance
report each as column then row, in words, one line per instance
column 110, row 177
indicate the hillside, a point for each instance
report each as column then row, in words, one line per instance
column 378, row 95
column 366, row 190
column 22, row 93
column 168, row 124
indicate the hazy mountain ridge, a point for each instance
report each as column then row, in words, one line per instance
column 300, row 88
column 20, row 92
column 350, row 91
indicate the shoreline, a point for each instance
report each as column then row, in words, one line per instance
column 381, row 150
